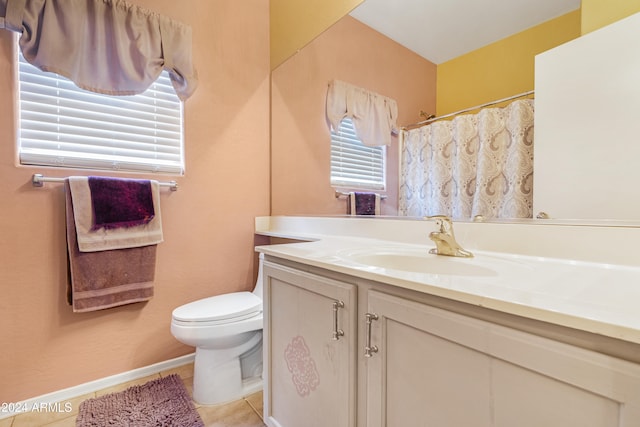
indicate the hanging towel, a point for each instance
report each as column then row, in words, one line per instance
column 119, row 203
column 363, row 203
column 99, row 228
column 105, row 279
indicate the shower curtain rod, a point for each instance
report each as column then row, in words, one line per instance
column 433, row 119
column 38, row 180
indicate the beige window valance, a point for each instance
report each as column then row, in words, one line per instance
column 105, row 46
column 374, row 116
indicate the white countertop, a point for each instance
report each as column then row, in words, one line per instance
column 597, row 297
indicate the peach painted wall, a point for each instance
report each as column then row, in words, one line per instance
column 208, row 223
column 300, row 137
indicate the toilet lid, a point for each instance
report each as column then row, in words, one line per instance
column 219, row 307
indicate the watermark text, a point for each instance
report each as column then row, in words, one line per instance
column 22, row 407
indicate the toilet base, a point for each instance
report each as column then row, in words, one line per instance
column 218, row 374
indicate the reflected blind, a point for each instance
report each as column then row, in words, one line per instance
column 63, row 125
column 354, row 164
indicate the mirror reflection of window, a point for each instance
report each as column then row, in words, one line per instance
column 353, row 164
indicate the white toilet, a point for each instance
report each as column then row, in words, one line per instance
column 226, row 331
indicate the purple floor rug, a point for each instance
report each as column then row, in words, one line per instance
column 159, row 403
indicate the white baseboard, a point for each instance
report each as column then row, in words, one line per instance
column 93, row 386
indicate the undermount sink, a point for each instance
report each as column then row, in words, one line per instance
column 417, row 261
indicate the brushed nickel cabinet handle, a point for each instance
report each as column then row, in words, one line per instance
column 337, row 333
column 370, row 349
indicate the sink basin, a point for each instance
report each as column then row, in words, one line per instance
column 417, row 261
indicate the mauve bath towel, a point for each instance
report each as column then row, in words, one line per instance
column 105, row 279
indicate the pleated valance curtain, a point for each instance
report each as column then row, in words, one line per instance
column 105, row 46
column 374, row 116
column 475, row 164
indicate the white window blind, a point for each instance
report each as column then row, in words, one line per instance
column 354, row 164
column 63, row 125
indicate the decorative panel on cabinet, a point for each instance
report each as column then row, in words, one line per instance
column 309, row 342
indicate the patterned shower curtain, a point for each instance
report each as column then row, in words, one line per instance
column 475, row 164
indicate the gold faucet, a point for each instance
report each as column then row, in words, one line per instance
column 445, row 240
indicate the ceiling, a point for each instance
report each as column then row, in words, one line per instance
column 440, row 30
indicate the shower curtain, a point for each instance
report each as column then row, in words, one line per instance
column 475, row 164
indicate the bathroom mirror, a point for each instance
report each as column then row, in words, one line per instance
column 316, row 192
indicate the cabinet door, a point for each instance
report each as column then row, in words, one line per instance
column 417, row 378
column 309, row 374
column 437, row 368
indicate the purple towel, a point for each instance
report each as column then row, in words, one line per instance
column 364, row 203
column 120, row 202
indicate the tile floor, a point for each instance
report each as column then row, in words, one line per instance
column 245, row 412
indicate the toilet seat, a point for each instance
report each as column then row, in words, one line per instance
column 219, row 309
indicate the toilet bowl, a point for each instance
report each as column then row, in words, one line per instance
column 226, row 331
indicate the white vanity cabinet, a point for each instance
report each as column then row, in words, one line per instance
column 416, row 364
column 437, row 368
column 309, row 343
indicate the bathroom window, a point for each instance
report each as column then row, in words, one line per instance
column 63, row 125
column 353, row 164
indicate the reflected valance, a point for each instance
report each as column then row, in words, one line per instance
column 374, row 116
column 105, row 46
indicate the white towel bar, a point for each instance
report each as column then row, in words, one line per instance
column 38, row 180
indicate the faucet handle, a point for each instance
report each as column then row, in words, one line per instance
column 438, row 216
column 443, row 222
